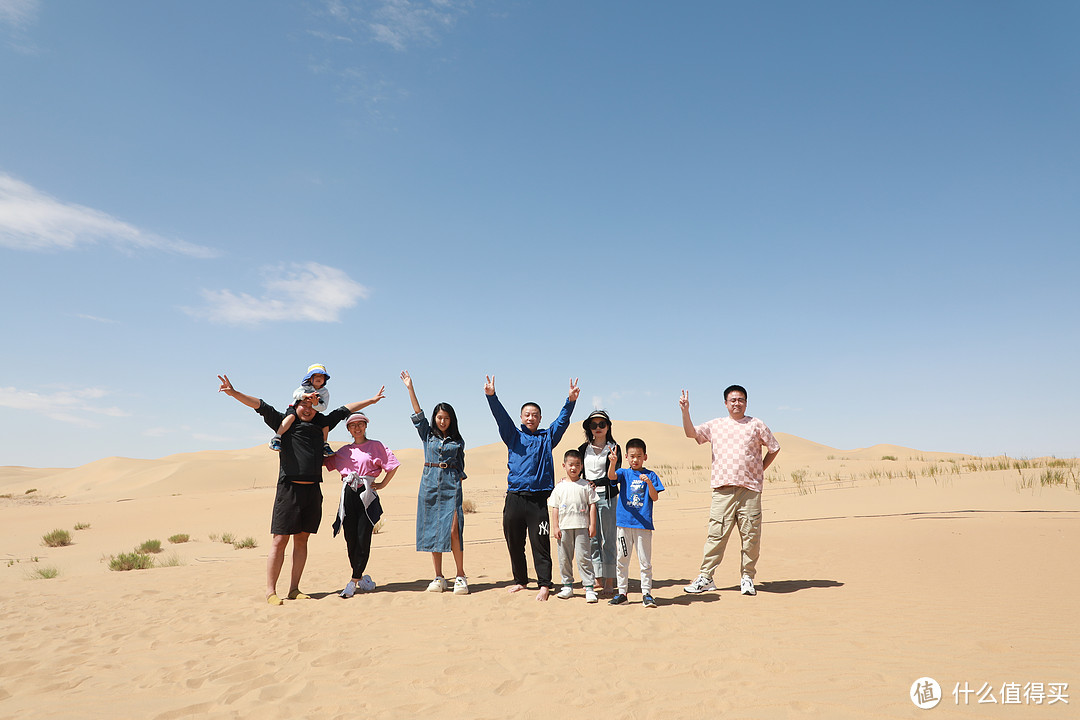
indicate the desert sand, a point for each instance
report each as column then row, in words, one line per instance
column 879, row 566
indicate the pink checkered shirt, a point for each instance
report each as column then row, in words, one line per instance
column 736, row 450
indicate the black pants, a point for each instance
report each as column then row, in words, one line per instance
column 527, row 513
column 358, row 530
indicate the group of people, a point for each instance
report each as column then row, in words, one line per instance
column 600, row 513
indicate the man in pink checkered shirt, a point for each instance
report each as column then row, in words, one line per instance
column 738, row 475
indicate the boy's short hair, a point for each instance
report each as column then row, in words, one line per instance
column 532, row 404
column 636, row 443
column 572, row 454
column 735, row 388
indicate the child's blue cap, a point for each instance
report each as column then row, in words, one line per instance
column 316, row 370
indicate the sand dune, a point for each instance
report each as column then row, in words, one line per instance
column 875, row 572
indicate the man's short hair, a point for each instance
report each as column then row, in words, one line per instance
column 572, row 454
column 735, row 388
column 636, row 443
column 533, row 405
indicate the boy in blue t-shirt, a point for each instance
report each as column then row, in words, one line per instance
column 638, row 490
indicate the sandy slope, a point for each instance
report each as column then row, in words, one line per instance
column 874, row 573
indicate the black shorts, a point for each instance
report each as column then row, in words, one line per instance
column 297, row 508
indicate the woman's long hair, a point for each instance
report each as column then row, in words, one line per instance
column 452, row 432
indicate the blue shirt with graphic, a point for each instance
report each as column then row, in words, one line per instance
column 635, row 506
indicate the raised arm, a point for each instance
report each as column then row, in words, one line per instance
column 407, row 379
column 228, row 389
column 687, row 423
column 507, row 429
column 563, row 421
column 354, row 407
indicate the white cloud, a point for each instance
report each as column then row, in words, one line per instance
column 301, row 293
column 33, row 220
column 329, row 36
column 397, row 23
column 16, row 17
column 69, row 406
column 18, row 13
column 106, row 321
column 352, row 27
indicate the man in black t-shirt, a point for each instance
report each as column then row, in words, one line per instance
column 298, row 503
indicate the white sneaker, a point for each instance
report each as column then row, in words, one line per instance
column 366, row 584
column 461, row 586
column 566, row 593
column 590, row 595
column 700, row 585
column 747, row 586
column 437, row 585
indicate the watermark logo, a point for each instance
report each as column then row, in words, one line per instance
column 925, row 693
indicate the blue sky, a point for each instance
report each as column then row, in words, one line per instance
column 865, row 212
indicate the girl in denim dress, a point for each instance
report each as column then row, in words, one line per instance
column 439, row 516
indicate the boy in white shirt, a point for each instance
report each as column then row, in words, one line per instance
column 572, row 506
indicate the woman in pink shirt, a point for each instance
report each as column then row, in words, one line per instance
column 360, row 464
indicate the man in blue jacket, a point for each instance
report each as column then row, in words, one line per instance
column 530, row 480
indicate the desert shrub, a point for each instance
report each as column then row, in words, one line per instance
column 56, row 538
column 179, row 538
column 150, row 546
column 131, row 561
column 82, row 526
column 888, row 457
column 171, row 560
column 31, row 490
column 468, row 506
column 248, row 542
column 48, row 572
column 228, row 538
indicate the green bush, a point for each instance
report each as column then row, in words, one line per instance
column 248, row 542
column 57, row 538
column 150, row 546
column 180, row 538
column 131, row 561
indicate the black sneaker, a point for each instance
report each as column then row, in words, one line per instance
column 619, row 599
column 648, row 602
column 327, row 451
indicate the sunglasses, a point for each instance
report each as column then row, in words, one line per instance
column 598, row 424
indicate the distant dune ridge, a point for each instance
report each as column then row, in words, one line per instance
column 879, row 566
